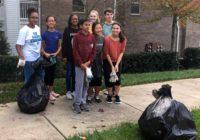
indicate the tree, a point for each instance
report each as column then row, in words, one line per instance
column 181, row 11
column 4, row 45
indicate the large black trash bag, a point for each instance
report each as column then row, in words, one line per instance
column 167, row 119
column 34, row 96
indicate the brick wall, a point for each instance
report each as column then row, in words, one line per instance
column 138, row 34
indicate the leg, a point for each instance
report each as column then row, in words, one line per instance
column 73, row 77
column 28, row 71
column 79, row 85
column 68, row 76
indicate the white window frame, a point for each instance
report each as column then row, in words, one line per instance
column 1, row 2
column 79, row 11
column 25, row 18
column 132, row 3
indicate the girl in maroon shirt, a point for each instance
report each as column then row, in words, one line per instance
column 114, row 47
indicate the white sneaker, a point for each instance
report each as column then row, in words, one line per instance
column 73, row 94
column 69, row 95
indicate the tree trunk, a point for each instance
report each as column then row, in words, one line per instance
column 174, row 34
column 182, row 39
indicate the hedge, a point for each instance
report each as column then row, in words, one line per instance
column 191, row 58
column 149, row 62
column 132, row 63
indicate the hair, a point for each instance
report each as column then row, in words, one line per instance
column 30, row 11
column 82, row 21
column 108, row 10
column 94, row 26
column 70, row 20
column 96, row 12
column 47, row 18
column 121, row 35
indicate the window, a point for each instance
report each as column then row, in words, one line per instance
column 25, row 5
column 78, row 6
column 1, row 2
column 135, row 8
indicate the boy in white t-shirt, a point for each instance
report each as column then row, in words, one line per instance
column 29, row 45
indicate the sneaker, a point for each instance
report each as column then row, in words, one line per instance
column 52, row 99
column 117, row 99
column 97, row 99
column 76, row 108
column 85, row 107
column 69, row 95
column 55, row 94
column 89, row 99
column 109, row 99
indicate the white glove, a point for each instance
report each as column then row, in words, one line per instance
column 89, row 74
column 21, row 63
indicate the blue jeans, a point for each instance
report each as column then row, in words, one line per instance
column 70, row 77
column 29, row 71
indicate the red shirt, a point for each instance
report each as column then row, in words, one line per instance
column 84, row 48
column 113, row 48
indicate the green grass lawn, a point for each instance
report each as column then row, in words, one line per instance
column 127, row 131
column 8, row 91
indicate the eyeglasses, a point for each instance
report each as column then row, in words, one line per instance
column 34, row 17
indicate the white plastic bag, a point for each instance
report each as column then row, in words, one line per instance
column 89, row 74
column 113, row 77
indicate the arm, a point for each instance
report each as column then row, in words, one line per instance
column 76, row 55
column 64, row 45
column 120, row 56
column 59, row 47
column 92, row 55
column 106, row 51
column 19, row 51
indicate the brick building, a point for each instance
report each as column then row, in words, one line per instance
column 128, row 11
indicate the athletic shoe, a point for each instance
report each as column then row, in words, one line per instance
column 76, row 108
column 69, row 95
column 109, row 99
column 117, row 99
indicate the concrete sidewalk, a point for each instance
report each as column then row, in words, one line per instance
column 59, row 122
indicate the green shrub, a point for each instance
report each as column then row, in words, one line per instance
column 4, row 45
column 191, row 58
column 8, row 69
column 149, row 62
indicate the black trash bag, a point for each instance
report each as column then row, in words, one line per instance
column 34, row 96
column 44, row 62
column 167, row 119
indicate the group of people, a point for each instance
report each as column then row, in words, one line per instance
column 85, row 44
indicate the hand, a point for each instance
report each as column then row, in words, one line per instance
column 83, row 66
column 47, row 55
column 116, row 68
column 65, row 60
column 54, row 54
column 87, row 63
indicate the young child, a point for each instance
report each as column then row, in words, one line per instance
column 52, row 46
column 109, row 14
column 28, row 45
column 84, row 48
column 113, row 52
column 67, row 54
column 93, row 17
column 96, row 82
